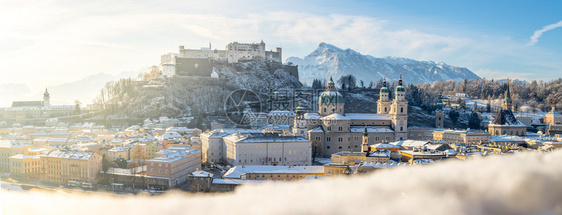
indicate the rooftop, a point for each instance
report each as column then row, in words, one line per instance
column 237, row 171
column 77, row 155
column 11, row 144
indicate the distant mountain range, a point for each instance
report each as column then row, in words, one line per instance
column 328, row 59
column 84, row 90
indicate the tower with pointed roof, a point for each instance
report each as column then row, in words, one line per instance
column 399, row 112
column 299, row 124
column 331, row 101
column 46, row 98
column 383, row 104
column 365, row 143
column 507, row 103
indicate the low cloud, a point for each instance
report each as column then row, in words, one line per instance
column 538, row 33
column 526, row 183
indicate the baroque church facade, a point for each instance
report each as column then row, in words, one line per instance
column 336, row 131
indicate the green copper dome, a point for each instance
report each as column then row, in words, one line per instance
column 331, row 97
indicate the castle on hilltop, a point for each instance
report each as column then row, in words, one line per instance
column 199, row 62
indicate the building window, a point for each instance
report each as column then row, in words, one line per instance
column 340, row 128
column 328, row 147
column 317, row 138
column 329, row 128
column 328, row 139
column 340, row 147
column 340, row 139
column 402, row 110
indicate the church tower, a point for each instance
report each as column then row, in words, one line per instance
column 399, row 112
column 299, row 126
column 507, row 103
column 383, row 104
column 365, row 145
column 46, row 98
column 439, row 115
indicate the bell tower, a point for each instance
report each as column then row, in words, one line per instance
column 383, row 104
column 46, row 98
column 365, row 145
column 399, row 112
column 299, row 125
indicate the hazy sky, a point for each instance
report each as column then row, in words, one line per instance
column 45, row 43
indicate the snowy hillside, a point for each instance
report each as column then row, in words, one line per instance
column 328, row 59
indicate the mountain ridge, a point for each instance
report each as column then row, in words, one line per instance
column 328, row 59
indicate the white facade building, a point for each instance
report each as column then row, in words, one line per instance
column 267, row 149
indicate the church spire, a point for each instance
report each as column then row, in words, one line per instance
column 507, row 103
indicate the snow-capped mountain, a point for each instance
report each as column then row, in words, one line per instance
column 328, row 59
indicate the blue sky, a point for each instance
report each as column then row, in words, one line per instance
column 45, row 43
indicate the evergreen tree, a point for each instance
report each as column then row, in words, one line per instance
column 454, row 116
column 474, row 121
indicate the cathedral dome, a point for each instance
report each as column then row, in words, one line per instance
column 331, row 97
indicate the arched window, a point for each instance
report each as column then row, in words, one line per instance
column 340, row 147
column 328, row 147
column 401, row 110
column 497, row 133
column 385, row 109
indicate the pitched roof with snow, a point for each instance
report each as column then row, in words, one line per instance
column 237, row 171
column 506, row 117
column 367, row 116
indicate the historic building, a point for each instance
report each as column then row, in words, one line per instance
column 36, row 109
column 553, row 117
column 505, row 122
column 337, row 131
column 267, row 149
column 199, row 62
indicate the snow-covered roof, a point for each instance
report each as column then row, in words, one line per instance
column 384, row 146
column 506, row 138
column 371, row 129
column 262, row 138
column 379, row 153
column 223, row 132
column 236, row 181
column 335, row 116
column 410, row 143
column 317, row 130
column 237, row 171
column 173, row 153
column 381, row 165
column 201, row 173
column 22, row 157
column 76, row 155
column 11, row 144
column 312, row 116
column 506, row 118
column 367, row 116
